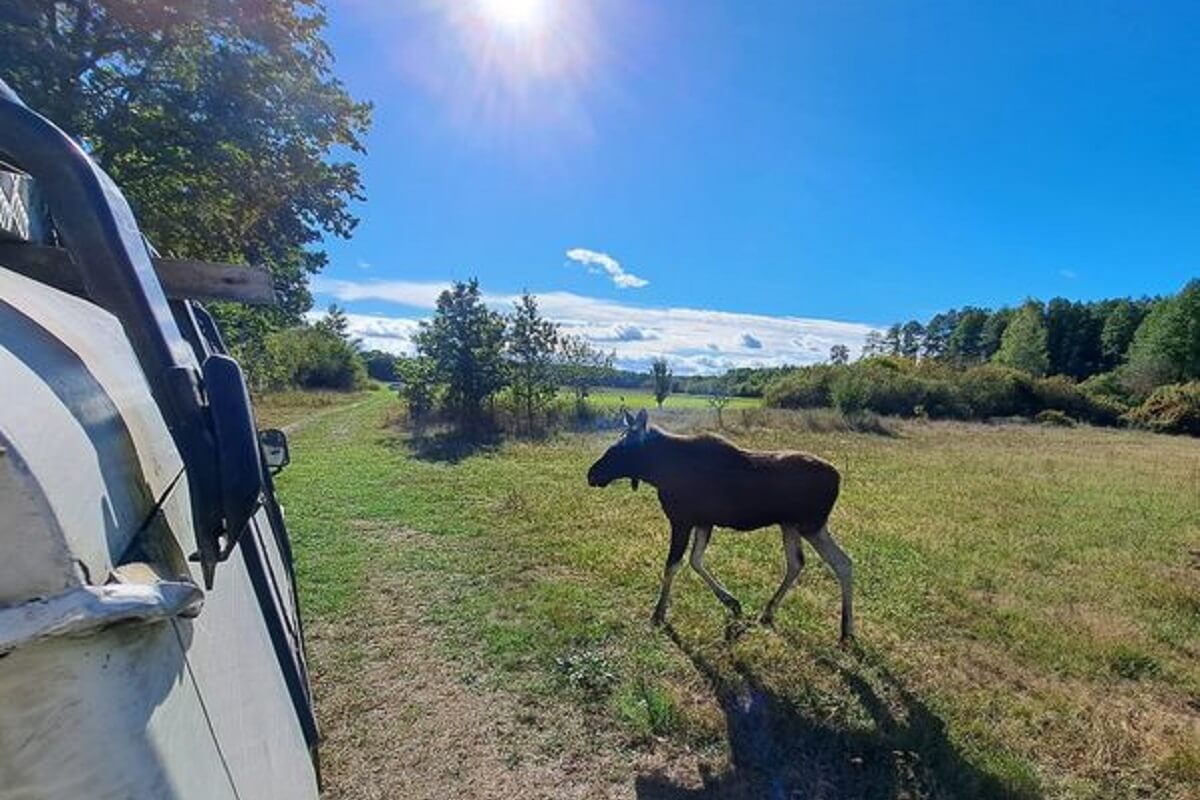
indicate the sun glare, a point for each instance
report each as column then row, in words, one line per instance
column 515, row 16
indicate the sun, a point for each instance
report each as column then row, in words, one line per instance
column 515, row 16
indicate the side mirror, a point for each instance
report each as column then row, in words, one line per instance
column 238, row 461
column 275, row 452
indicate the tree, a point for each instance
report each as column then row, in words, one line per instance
column 465, row 343
column 1023, row 345
column 380, row 366
column 911, row 335
column 993, row 333
column 1166, row 346
column 335, row 321
column 582, row 366
column 839, row 354
column 872, row 345
column 1121, row 321
column 1072, row 338
column 718, row 398
column 965, row 343
column 217, row 119
column 937, row 334
column 532, row 346
column 891, row 341
column 310, row 357
column 660, row 372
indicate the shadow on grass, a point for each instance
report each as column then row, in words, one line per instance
column 449, row 446
column 780, row 750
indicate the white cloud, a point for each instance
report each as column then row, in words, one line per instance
column 751, row 342
column 626, row 333
column 687, row 337
column 602, row 263
column 1069, row 274
column 390, row 334
column 405, row 293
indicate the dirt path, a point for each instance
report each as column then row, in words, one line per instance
column 408, row 726
column 294, row 427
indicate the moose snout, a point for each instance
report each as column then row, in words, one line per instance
column 593, row 477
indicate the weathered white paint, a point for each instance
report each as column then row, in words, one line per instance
column 78, row 415
column 161, row 707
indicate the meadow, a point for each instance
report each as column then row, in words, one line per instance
column 1028, row 601
column 606, row 399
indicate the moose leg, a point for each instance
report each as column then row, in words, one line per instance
column 794, row 554
column 703, row 532
column 679, row 540
column 837, row 559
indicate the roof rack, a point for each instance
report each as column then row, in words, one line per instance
column 30, row 245
column 84, row 233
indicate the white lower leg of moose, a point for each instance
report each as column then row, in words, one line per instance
column 699, row 545
column 679, row 541
column 841, row 565
column 664, row 594
column 794, row 557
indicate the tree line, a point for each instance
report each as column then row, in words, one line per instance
column 1150, row 341
column 1131, row 361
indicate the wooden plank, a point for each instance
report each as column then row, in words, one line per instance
column 181, row 279
column 207, row 280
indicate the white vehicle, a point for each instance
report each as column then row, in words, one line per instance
column 150, row 642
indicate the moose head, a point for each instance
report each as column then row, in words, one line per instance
column 623, row 459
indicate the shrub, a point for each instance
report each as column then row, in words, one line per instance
column 1052, row 416
column 1170, row 409
column 1108, row 387
column 313, row 357
column 807, row 387
column 418, row 388
column 994, row 391
column 1062, row 394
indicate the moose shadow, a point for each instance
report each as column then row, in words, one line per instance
column 779, row 750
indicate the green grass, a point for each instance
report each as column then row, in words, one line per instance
column 1028, row 612
column 611, row 399
column 277, row 409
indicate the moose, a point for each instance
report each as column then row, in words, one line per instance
column 705, row 481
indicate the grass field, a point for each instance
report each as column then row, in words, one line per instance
column 607, row 399
column 1028, row 601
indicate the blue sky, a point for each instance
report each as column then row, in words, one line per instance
column 734, row 183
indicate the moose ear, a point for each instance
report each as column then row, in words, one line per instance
column 627, row 418
column 642, row 417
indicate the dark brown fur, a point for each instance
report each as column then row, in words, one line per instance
column 706, row 481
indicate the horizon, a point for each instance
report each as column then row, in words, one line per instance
column 729, row 191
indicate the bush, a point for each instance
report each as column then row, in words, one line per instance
column 1052, row 416
column 989, row 390
column 806, row 387
column 1062, row 394
column 418, row 389
column 1108, row 388
column 1170, row 409
column 312, row 358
